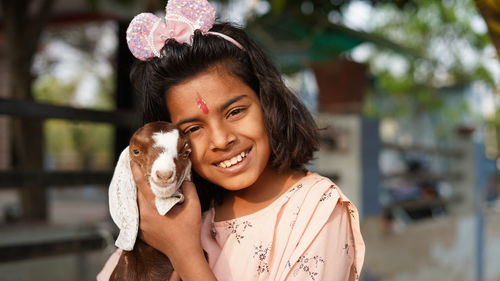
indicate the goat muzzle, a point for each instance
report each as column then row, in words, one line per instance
column 164, row 178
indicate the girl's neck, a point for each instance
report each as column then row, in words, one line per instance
column 271, row 183
column 269, row 186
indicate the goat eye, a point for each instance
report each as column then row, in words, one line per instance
column 136, row 152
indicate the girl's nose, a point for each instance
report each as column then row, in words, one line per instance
column 221, row 138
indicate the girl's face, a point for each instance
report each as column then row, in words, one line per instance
column 225, row 123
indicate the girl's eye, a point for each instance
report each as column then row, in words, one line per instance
column 236, row 111
column 191, row 130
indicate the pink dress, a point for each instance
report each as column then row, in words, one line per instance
column 311, row 232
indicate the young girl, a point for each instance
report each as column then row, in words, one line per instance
column 265, row 217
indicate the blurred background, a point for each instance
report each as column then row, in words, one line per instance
column 406, row 91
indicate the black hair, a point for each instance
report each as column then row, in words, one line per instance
column 292, row 132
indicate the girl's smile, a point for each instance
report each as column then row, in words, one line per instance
column 230, row 161
column 230, row 145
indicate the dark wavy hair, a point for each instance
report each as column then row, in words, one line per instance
column 292, row 132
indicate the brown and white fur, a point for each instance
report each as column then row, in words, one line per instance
column 162, row 153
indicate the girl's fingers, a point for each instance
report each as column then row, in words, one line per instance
column 189, row 190
column 191, row 196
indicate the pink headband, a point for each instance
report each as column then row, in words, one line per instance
column 147, row 33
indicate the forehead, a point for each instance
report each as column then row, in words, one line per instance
column 166, row 139
column 215, row 86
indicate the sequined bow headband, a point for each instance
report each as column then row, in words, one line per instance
column 147, row 33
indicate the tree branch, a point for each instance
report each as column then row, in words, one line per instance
column 490, row 11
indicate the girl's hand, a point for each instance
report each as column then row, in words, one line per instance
column 178, row 232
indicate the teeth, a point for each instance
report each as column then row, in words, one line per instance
column 228, row 163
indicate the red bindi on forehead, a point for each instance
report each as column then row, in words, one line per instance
column 202, row 105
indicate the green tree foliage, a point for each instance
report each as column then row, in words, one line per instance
column 323, row 8
column 449, row 49
column 62, row 80
column 454, row 52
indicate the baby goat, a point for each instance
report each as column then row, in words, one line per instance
column 162, row 153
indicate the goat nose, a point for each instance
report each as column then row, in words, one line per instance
column 164, row 175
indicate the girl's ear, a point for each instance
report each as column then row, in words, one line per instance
column 123, row 202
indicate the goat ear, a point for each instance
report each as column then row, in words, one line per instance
column 123, row 202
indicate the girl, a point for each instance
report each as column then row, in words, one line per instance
column 265, row 217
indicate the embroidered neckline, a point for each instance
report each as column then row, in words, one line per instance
column 283, row 198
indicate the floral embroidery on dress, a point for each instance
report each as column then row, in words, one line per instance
column 354, row 271
column 327, row 194
column 352, row 212
column 246, row 224
column 294, row 216
column 262, row 254
column 295, row 188
column 346, row 248
column 233, row 226
column 309, row 265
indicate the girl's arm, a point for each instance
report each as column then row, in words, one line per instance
column 177, row 234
